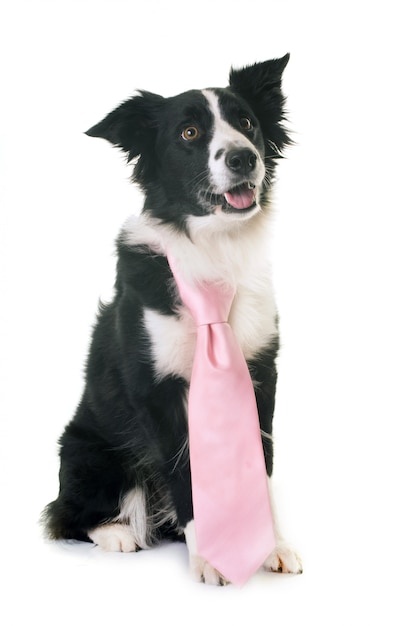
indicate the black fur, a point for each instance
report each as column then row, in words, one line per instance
column 130, row 428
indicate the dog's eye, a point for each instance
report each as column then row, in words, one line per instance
column 245, row 123
column 190, row 133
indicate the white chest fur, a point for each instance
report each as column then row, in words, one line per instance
column 235, row 257
column 173, row 338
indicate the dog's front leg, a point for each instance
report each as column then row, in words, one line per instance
column 263, row 371
column 201, row 570
column 181, row 494
column 284, row 558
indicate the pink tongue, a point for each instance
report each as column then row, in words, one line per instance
column 241, row 198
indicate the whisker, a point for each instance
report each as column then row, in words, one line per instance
column 178, row 456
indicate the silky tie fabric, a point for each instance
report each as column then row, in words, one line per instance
column 232, row 512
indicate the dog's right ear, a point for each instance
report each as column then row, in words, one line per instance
column 132, row 125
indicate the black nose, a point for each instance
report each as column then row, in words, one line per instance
column 241, row 161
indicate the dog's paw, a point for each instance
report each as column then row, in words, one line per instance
column 283, row 559
column 203, row 572
column 114, row 538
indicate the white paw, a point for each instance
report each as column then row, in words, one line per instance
column 114, row 538
column 203, row 572
column 283, row 559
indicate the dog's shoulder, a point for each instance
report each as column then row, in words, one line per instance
column 142, row 269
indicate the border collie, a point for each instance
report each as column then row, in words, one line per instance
column 205, row 161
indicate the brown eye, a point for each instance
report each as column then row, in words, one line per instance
column 190, row 133
column 245, row 123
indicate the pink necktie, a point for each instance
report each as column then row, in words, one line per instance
column 232, row 513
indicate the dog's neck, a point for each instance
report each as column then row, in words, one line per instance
column 234, row 254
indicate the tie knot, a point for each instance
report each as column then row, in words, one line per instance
column 209, row 303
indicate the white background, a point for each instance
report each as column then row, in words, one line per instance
column 345, row 283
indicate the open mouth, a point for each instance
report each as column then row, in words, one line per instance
column 240, row 198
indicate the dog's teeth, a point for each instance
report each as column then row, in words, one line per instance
column 251, row 186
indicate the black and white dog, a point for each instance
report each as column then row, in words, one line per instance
column 205, row 162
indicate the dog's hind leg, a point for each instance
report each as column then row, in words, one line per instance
column 114, row 538
column 93, row 481
column 129, row 531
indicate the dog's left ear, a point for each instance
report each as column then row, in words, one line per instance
column 259, row 79
column 260, row 85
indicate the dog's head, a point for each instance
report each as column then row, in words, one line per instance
column 208, row 153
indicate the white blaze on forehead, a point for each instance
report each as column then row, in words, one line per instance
column 226, row 137
column 224, row 133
